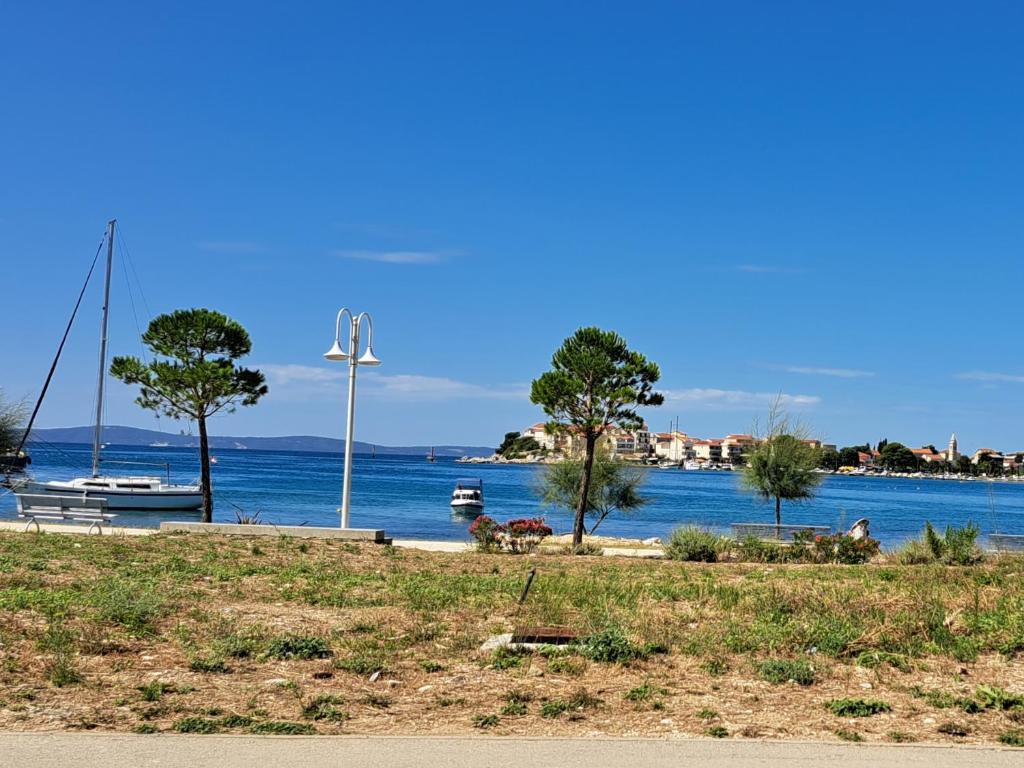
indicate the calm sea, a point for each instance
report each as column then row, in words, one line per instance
column 408, row 497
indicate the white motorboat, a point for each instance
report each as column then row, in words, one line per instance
column 468, row 495
column 123, row 493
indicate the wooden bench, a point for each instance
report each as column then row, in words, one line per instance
column 771, row 531
column 1006, row 542
column 80, row 509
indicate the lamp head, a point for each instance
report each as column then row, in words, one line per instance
column 368, row 358
column 336, row 353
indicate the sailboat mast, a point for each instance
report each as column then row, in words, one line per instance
column 103, row 352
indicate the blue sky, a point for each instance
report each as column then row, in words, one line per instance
column 816, row 199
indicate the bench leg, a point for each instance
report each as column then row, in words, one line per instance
column 32, row 521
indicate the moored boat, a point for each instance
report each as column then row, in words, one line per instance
column 468, row 496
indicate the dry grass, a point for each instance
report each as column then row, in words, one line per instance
column 281, row 636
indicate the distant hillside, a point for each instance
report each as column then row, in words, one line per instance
column 134, row 436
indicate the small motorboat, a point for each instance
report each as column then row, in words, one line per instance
column 468, row 496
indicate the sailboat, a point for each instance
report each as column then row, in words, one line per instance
column 139, row 493
column 430, row 456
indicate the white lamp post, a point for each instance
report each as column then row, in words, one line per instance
column 354, row 359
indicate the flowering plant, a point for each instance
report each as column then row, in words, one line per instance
column 516, row 536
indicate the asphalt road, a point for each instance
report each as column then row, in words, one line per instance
column 86, row 750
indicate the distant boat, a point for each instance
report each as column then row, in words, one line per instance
column 468, row 496
column 159, row 444
column 430, row 456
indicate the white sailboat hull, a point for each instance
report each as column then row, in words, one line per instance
column 158, row 496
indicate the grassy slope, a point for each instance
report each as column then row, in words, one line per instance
column 282, row 636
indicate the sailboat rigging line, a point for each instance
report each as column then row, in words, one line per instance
column 60, row 348
column 131, row 303
column 131, row 266
column 72, row 460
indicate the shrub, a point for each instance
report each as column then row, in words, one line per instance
column 1012, row 738
column 235, row 721
column 61, row 641
column 955, row 546
column 991, row 697
column 514, row 709
column 325, row 707
column 717, row 732
column 282, row 728
column 751, row 549
column 843, row 549
column 857, row 707
column 299, row 647
column 644, row 692
column 520, row 536
column 506, row 657
column 154, row 690
column 692, row 544
column 610, row 646
column 484, row 531
column 196, row 725
column 784, row 670
column 209, row 664
column 580, row 699
column 485, row 721
column 846, row 735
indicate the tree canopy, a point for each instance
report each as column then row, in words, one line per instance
column 595, row 381
column 12, row 419
column 194, row 374
column 516, row 444
column 896, row 457
column 614, row 486
column 783, row 465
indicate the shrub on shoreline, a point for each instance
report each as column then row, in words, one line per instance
column 692, row 544
column 521, row 536
column 955, row 546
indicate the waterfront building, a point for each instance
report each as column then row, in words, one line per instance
column 952, row 454
column 538, row 433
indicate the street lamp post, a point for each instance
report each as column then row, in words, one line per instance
column 338, row 354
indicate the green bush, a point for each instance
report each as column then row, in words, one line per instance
column 610, row 647
column 282, row 728
column 299, row 647
column 857, row 707
column 197, row 725
column 325, row 707
column 955, row 546
column 751, row 549
column 485, row 721
column 693, row 544
column 783, row 670
column 1012, row 738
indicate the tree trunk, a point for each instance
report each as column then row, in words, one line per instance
column 778, row 516
column 204, row 471
column 581, row 504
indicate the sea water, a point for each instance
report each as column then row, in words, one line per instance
column 409, row 497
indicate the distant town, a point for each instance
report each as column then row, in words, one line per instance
column 676, row 448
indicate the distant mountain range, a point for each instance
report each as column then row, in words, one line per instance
column 309, row 443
